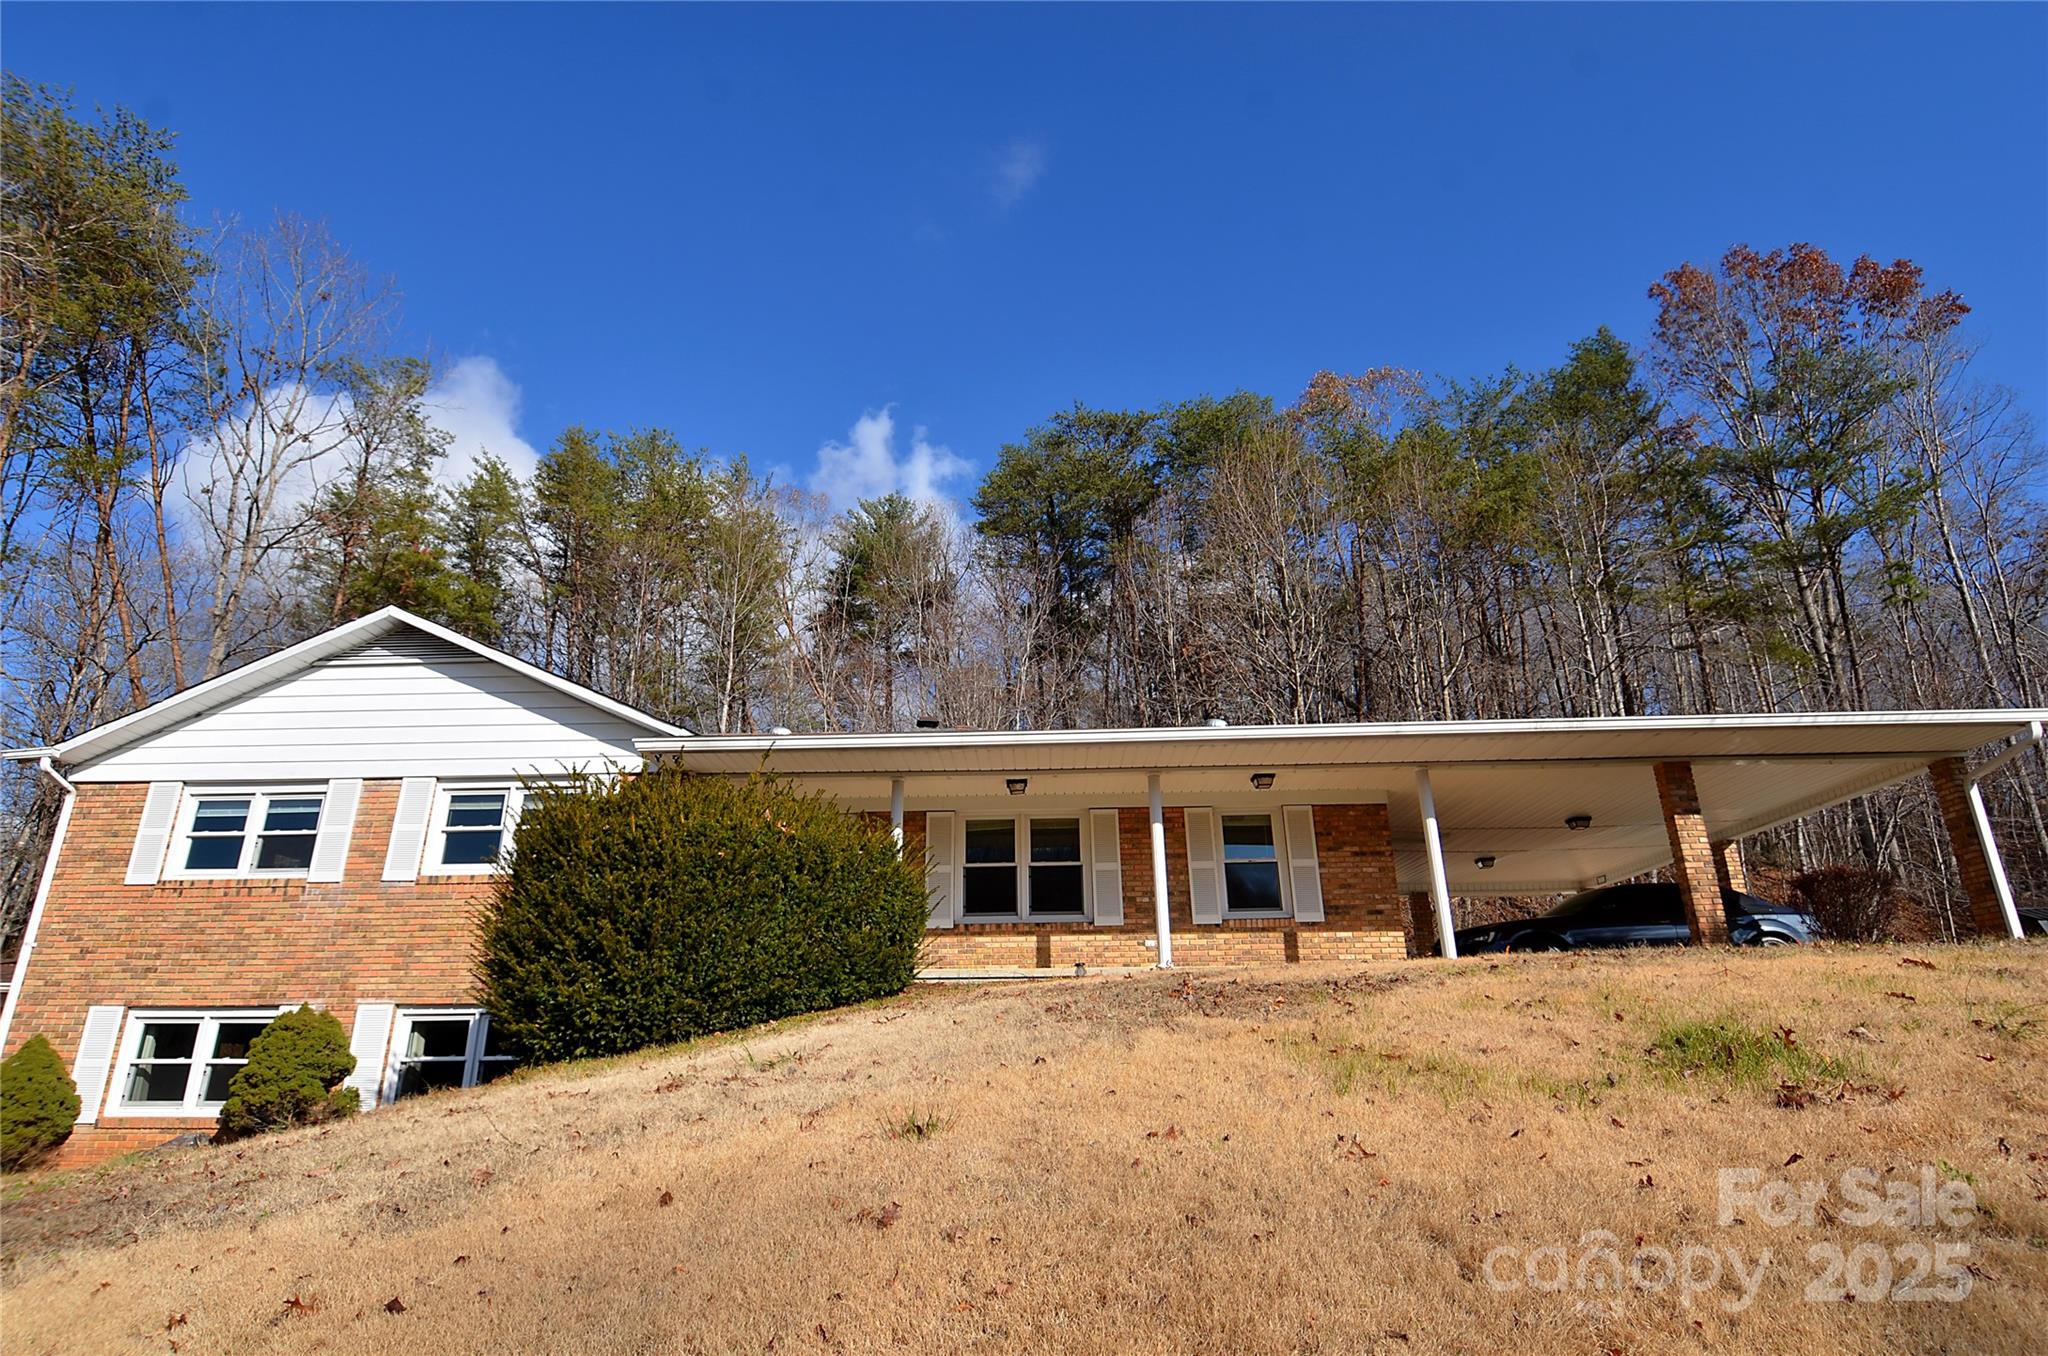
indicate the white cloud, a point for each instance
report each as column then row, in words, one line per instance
column 473, row 401
column 869, row 465
column 478, row 406
column 1022, row 165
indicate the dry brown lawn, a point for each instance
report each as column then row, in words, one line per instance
column 1277, row 1160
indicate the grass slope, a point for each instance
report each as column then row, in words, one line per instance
column 1266, row 1161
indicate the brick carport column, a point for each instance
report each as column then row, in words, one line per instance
column 1422, row 940
column 1692, row 855
column 1952, row 793
column 1728, row 867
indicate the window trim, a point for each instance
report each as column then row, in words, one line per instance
column 437, row 829
column 473, row 1056
column 1277, row 826
column 1021, row 865
column 259, row 798
column 210, row 1021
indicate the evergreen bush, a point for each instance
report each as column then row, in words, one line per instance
column 38, row 1105
column 292, row 1078
column 644, row 910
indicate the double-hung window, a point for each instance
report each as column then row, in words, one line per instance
column 248, row 833
column 1251, row 866
column 448, row 1048
column 180, row 1063
column 472, row 829
column 1045, row 880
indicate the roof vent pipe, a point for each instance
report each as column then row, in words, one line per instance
column 1216, row 723
column 778, row 729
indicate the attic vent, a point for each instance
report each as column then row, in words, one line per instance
column 402, row 648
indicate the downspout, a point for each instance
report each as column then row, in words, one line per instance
column 35, row 913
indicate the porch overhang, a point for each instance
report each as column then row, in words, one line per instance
column 1503, row 789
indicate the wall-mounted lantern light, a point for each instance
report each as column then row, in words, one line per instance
column 1579, row 823
column 1017, row 785
column 1263, row 780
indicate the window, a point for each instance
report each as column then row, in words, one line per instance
column 442, row 1048
column 250, row 833
column 179, row 1063
column 1251, row 865
column 991, row 862
column 1052, row 886
column 473, row 829
column 1056, row 868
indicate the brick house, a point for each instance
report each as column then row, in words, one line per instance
column 320, row 825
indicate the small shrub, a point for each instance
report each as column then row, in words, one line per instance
column 652, row 909
column 38, row 1104
column 1850, row 903
column 914, row 1124
column 292, row 1078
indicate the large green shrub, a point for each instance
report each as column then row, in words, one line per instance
column 295, row 1066
column 650, row 909
column 38, row 1105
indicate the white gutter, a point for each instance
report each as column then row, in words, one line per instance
column 35, row 913
column 2026, row 741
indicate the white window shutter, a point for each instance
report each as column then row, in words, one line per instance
column 367, row 1043
column 153, row 835
column 1304, row 877
column 1107, row 868
column 337, row 823
column 409, row 828
column 941, row 872
column 1205, row 864
column 95, row 1060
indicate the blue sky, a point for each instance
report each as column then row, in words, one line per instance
column 755, row 225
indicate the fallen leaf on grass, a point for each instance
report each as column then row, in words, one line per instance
column 394, row 1305
column 666, row 1198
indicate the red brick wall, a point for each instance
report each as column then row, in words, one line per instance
column 220, row 944
column 1362, row 911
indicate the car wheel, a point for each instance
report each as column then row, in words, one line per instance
column 1536, row 944
column 1773, row 939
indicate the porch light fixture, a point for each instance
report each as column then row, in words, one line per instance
column 1263, row 780
column 1579, row 823
column 1017, row 785
column 1483, row 863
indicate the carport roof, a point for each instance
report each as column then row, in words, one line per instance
column 1503, row 788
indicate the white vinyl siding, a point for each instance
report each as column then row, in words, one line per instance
column 404, row 706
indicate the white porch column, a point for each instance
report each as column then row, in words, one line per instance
column 1439, row 884
column 1159, row 909
column 896, row 812
column 1993, row 860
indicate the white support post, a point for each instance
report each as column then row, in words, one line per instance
column 896, row 812
column 1159, row 909
column 1439, row 883
column 1989, row 842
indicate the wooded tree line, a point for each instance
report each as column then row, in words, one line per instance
column 1790, row 494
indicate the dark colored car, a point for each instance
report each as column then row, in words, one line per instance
column 2033, row 921
column 1635, row 915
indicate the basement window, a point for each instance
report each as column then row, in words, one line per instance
column 180, row 1063
column 448, row 1048
column 250, row 833
column 1251, row 866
